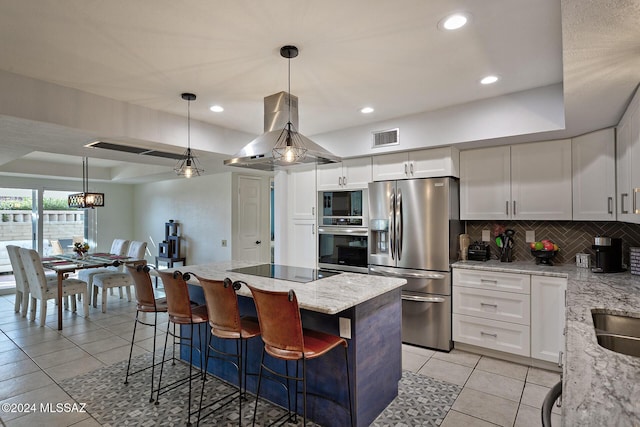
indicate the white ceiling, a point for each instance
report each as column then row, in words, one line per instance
column 388, row 55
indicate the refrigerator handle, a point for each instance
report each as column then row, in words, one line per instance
column 399, row 225
column 392, row 224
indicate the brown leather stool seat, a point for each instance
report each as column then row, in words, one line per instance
column 227, row 324
column 285, row 338
column 183, row 313
column 146, row 303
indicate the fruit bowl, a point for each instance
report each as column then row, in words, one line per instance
column 544, row 257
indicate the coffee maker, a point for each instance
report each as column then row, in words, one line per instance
column 608, row 255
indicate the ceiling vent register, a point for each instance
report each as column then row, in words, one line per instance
column 135, row 150
column 386, row 137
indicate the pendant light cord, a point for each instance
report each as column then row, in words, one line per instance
column 189, row 128
column 289, row 89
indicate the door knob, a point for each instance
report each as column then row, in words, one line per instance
column 258, row 242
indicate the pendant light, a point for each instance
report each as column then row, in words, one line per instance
column 189, row 165
column 85, row 199
column 289, row 147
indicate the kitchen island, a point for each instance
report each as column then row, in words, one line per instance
column 600, row 387
column 371, row 309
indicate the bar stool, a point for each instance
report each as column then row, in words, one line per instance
column 226, row 324
column 285, row 339
column 146, row 303
column 181, row 313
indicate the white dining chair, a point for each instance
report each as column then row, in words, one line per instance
column 22, row 286
column 118, row 247
column 44, row 290
column 106, row 281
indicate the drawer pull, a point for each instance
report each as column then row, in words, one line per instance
column 488, row 334
column 488, row 305
column 495, row 282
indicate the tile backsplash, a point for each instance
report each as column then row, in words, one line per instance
column 572, row 237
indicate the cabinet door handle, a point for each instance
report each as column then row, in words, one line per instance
column 313, row 229
column 258, row 242
column 313, row 210
column 488, row 334
column 506, row 208
column 411, row 168
column 344, row 180
column 488, row 305
column 560, row 359
column 634, row 208
column 610, row 205
column 405, row 169
column 622, row 209
column 340, row 181
column 514, row 208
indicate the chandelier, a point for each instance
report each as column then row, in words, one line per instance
column 188, row 166
column 85, row 199
column 289, row 147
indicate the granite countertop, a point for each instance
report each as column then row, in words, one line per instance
column 329, row 295
column 600, row 387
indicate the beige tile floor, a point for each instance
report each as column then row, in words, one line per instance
column 33, row 360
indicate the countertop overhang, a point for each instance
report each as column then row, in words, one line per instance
column 329, row 295
column 600, row 387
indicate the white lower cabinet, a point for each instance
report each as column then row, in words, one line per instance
column 492, row 334
column 514, row 313
column 547, row 317
column 495, row 305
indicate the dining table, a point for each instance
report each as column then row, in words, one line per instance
column 65, row 264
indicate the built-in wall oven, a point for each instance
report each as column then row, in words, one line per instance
column 343, row 232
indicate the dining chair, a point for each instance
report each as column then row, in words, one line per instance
column 22, row 286
column 285, row 339
column 44, row 290
column 187, row 317
column 147, row 303
column 226, row 324
column 118, row 247
column 56, row 247
column 116, row 279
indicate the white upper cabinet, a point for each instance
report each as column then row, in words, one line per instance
column 594, row 176
column 302, row 193
column 541, row 180
column 628, row 163
column 346, row 175
column 485, row 183
column 417, row 164
column 525, row 182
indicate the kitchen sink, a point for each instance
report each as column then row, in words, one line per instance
column 620, row 344
column 617, row 332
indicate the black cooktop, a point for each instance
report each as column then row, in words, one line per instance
column 285, row 272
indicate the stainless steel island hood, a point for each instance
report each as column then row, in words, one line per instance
column 279, row 110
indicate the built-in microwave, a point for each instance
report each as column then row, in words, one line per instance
column 343, row 208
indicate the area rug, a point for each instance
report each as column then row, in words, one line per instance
column 421, row 401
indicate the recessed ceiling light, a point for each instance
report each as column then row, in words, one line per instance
column 489, row 80
column 216, row 109
column 454, row 21
column 366, row 110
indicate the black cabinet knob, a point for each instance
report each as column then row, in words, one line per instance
column 258, row 242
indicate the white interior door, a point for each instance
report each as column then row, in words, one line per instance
column 251, row 207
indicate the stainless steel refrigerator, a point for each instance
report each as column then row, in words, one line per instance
column 414, row 227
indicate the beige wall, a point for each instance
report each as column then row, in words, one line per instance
column 202, row 207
